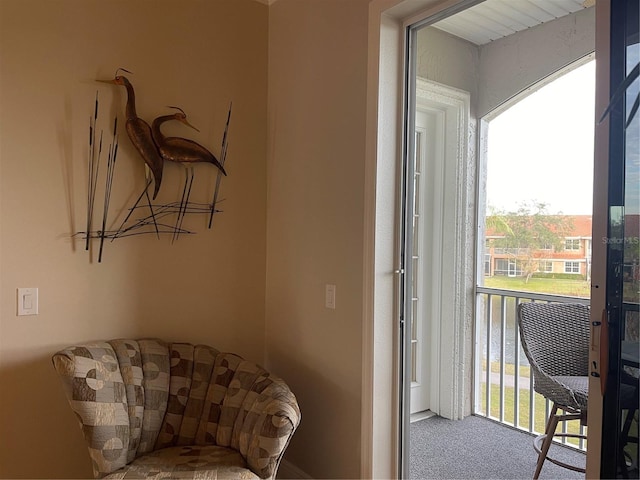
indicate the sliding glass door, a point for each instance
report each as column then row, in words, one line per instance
column 619, row 367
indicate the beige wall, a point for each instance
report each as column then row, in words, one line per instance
column 317, row 105
column 205, row 288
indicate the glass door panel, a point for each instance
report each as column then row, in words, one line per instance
column 620, row 412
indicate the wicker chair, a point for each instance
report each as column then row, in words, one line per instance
column 555, row 339
column 152, row 409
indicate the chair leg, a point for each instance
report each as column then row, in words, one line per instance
column 624, row 439
column 550, row 430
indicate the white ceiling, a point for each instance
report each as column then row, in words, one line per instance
column 494, row 19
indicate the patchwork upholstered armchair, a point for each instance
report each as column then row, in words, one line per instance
column 151, row 409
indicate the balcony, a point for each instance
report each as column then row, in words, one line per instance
column 511, row 251
column 508, row 413
column 504, row 384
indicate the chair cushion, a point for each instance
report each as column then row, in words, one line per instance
column 188, row 462
column 577, row 387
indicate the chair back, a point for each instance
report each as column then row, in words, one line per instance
column 555, row 339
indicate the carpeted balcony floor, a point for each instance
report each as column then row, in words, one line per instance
column 478, row 448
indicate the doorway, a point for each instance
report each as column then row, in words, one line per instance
column 569, row 36
column 441, row 191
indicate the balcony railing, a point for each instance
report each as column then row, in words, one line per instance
column 504, row 383
column 511, row 251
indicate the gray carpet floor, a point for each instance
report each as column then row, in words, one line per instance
column 478, row 448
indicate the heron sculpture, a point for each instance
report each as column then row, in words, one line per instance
column 184, row 151
column 181, row 150
column 140, row 133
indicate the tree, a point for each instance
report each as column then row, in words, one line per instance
column 527, row 234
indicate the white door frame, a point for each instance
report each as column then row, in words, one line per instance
column 448, row 269
column 380, row 385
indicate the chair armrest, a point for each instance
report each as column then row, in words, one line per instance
column 267, row 428
column 95, row 390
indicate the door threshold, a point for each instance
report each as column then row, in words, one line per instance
column 416, row 417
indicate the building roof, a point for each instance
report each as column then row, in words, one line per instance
column 581, row 226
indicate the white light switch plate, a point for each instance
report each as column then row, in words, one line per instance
column 27, row 301
column 330, row 296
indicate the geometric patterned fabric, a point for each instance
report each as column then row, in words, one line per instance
column 207, row 461
column 151, row 409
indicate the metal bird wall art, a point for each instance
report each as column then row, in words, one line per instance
column 183, row 151
column 154, row 148
column 139, row 132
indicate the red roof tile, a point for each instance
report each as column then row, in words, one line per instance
column 581, row 226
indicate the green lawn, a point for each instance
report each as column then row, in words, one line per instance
column 509, row 369
column 555, row 286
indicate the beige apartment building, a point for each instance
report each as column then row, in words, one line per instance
column 573, row 259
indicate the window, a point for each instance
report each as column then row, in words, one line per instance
column 545, row 266
column 572, row 244
column 509, row 267
column 571, row 267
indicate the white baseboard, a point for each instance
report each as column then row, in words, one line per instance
column 288, row 470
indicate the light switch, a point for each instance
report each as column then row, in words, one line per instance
column 330, row 296
column 27, row 301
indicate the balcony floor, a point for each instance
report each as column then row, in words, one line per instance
column 478, row 448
